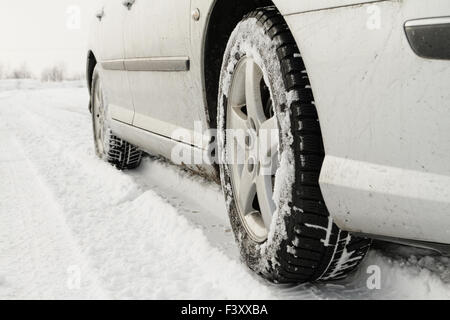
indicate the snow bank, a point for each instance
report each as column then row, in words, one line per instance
column 161, row 256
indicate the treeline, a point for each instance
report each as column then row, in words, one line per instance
column 55, row 73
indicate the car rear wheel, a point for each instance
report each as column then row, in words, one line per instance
column 109, row 147
column 270, row 175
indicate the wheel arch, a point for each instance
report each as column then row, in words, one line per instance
column 90, row 66
column 223, row 18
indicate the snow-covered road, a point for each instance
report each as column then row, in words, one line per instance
column 72, row 226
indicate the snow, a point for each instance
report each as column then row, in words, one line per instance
column 155, row 233
column 328, row 230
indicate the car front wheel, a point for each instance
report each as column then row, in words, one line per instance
column 270, row 175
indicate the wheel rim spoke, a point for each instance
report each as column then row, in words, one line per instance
column 238, row 122
column 266, row 203
column 247, row 190
column 269, row 140
column 253, row 77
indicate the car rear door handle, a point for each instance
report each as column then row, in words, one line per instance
column 100, row 14
column 128, row 3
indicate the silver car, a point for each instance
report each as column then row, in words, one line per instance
column 327, row 122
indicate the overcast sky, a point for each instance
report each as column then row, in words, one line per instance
column 44, row 32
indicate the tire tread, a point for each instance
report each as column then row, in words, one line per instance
column 304, row 256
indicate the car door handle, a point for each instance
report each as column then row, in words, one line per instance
column 100, row 14
column 128, row 3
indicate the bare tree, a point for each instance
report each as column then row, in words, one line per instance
column 76, row 77
column 56, row 73
column 21, row 72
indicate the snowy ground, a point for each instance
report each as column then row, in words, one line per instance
column 156, row 233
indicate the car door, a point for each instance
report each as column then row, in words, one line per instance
column 157, row 52
column 111, row 54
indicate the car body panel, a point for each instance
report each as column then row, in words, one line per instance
column 385, row 119
column 160, row 29
column 111, row 48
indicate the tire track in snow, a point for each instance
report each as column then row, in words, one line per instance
column 34, row 236
column 195, row 198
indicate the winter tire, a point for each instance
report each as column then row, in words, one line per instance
column 109, row 147
column 280, row 220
